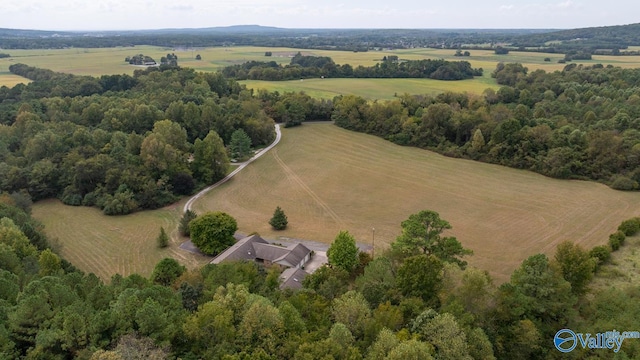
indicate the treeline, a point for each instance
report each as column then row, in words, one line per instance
column 140, row 59
column 303, row 67
column 129, row 143
column 328, row 39
column 580, row 123
column 412, row 302
column 612, row 40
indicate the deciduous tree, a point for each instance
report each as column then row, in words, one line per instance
column 213, row 232
column 576, row 264
column 210, row 161
column 421, row 276
column 166, row 271
column 343, row 252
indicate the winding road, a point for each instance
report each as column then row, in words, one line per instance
column 241, row 166
column 314, row 245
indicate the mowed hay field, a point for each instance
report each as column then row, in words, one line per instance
column 372, row 89
column 101, row 61
column 106, row 245
column 327, row 179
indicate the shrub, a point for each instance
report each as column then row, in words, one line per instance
column 621, row 182
column 601, row 253
column 616, row 240
column 70, row 196
column 630, row 227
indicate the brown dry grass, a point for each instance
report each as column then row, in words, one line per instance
column 327, row 179
column 106, row 245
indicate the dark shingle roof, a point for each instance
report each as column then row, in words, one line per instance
column 254, row 247
column 292, row 278
column 241, row 250
column 295, row 254
column 269, row 252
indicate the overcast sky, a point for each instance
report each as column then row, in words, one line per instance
column 157, row 14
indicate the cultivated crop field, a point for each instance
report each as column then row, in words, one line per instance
column 327, row 179
column 106, row 245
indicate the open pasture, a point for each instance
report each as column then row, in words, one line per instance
column 327, row 179
column 382, row 89
column 101, row 61
column 106, row 245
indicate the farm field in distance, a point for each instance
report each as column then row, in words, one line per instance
column 327, row 179
column 101, row 61
column 373, row 89
column 106, row 245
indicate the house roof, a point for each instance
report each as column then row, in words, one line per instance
column 254, row 247
column 269, row 252
column 295, row 254
column 292, row 278
column 243, row 249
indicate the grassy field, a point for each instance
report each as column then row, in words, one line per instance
column 327, row 179
column 623, row 270
column 106, row 245
column 372, row 89
column 97, row 62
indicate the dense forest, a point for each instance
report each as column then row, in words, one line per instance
column 416, row 301
column 303, row 67
column 122, row 142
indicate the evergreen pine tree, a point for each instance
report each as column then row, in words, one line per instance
column 163, row 239
column 183, row 228
column 279, row 220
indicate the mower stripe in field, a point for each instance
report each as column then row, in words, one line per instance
column 292, row 175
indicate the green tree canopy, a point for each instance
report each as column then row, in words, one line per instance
column 166, row 271
column 576, row 264
column 421, row 276
column 240, row 145
column 210, row 161
column 162, row 239
column 279, row 220
column 183, row 228
column 343, row 252
column 422, row 234
column 213, row 232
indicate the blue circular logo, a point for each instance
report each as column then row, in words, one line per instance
column 565, row 340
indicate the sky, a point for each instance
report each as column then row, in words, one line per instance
column 162, row 14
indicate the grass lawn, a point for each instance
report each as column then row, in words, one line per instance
column 327, row 179
column 106, row 245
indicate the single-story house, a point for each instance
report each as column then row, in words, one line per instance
column 254, row 248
